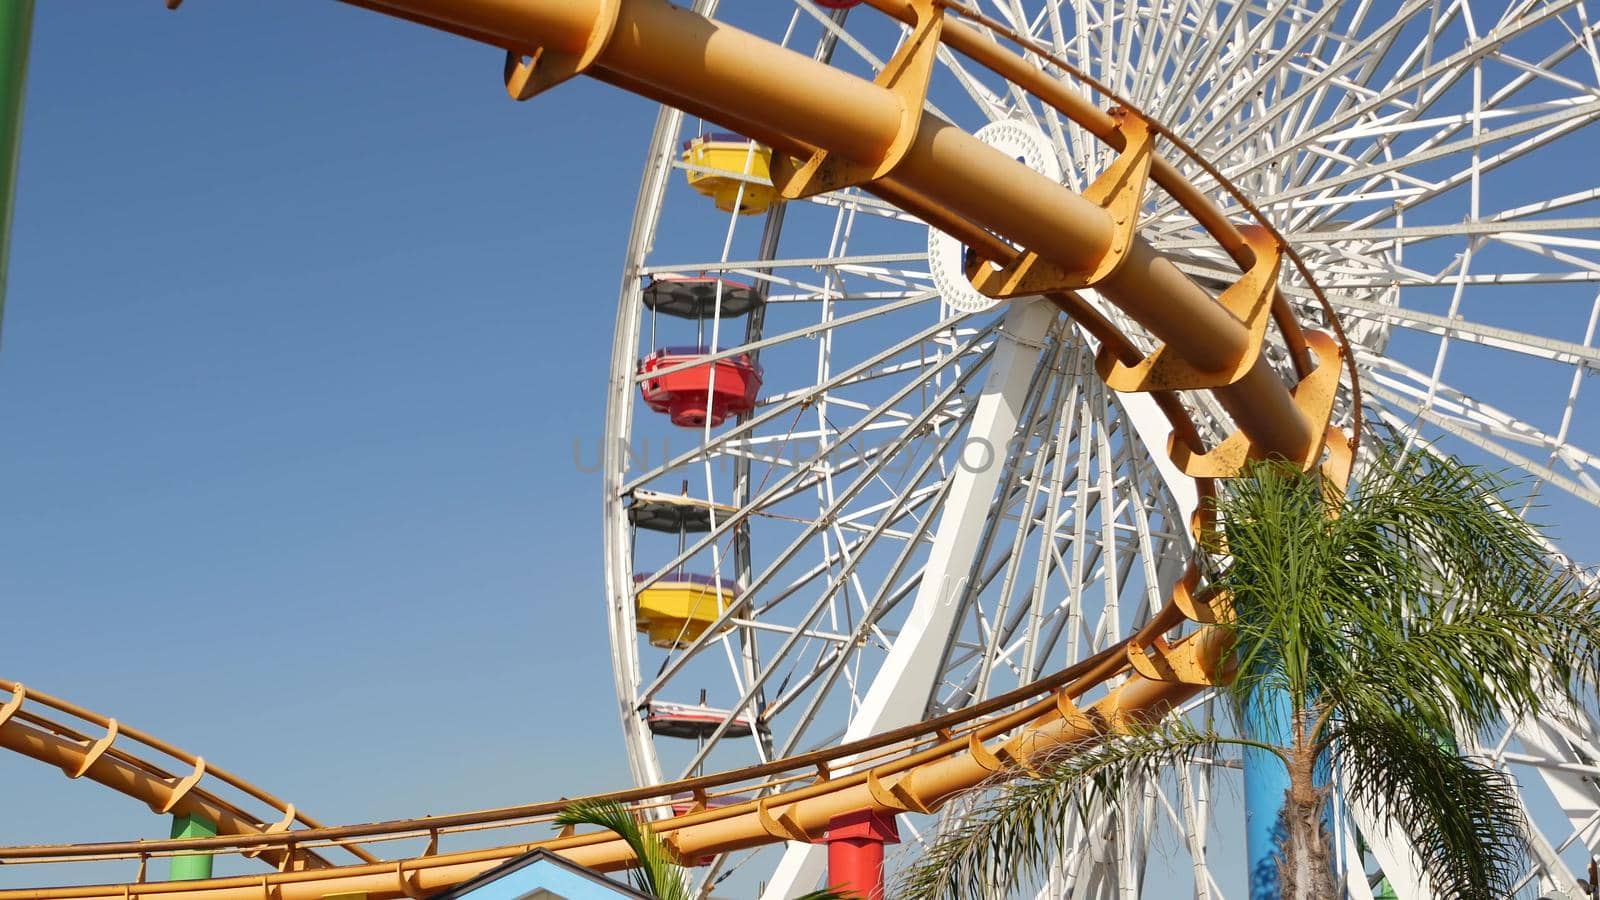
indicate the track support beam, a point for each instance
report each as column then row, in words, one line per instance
column 191, row 866
column 855, row 852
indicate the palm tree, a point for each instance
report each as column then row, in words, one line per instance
column 657, row 873
column 1387, row 622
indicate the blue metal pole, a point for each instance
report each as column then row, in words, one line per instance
column 1266, row 717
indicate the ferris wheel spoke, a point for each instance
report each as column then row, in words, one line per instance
column 1243, row 92
column 813, row 478
column 806, row 687
column 1153, row 62
column 984, row 580
column 1009, row 11
column 1194, row 830
column 1571, row 116
column 783, row 558
column 1540, row 248
column 898, row 290
column 823, row 567
column 756, row 265
column 829, row 673
column 899, row 284
column 1554, row 125
column 1411, row 278
column 1035, row 486
column 809, row 331
column 1038, row 613
column 996, row 513
column 1493, row 103
column 1465, row 330
column 1171, row 103
column 1194, row 76
column 883, row 372
column 1021, row 493
column 1435, row 80
column 856, row 200
column 1468, row 413
column 1422, row 234
column 979, row 93
column 1432, row 78
column 1586, row 492
column 1325, row 47
column 1456, row 328
column 749, row 426
column 835, row 33
column 883, row 603
column 1147, row 65
column 1427, row 389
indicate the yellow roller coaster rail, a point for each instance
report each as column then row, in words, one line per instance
column 1030, row 237
column 171, row 780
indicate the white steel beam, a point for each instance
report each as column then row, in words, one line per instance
column 902, row 686
column 1575, row 792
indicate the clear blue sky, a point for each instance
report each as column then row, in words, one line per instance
column 305, row 315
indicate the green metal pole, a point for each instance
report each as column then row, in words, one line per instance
column 16, row 31
column 191, row 866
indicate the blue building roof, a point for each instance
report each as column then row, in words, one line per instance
column 540, row 875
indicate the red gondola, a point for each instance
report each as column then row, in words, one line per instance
column 711, row 391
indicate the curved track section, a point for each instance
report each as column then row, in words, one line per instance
column 1036, row 241
column 168, row 779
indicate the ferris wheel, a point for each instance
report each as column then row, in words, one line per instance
column 846, row 492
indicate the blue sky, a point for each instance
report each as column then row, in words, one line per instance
column 305, row 316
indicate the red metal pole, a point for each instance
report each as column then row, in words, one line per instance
column 855, row 852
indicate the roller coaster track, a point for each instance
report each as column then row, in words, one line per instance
column 1030, row 237
column 31, row 723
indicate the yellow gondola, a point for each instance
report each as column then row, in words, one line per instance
column 721, row 164
column 679, row 608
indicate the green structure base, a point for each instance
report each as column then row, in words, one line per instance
column 191, row 866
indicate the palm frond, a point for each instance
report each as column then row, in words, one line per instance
column 1463, row 818
column 1425, row 594
column 1477, row 664
column 1273, row 555
column 657, row 873
column 1017, row 834
column 1469, row 612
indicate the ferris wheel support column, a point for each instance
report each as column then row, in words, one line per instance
column 1266, row 718
column 900, row 691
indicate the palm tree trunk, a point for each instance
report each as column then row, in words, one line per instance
column 1305, row 871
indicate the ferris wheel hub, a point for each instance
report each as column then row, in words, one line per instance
column 946, row 255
